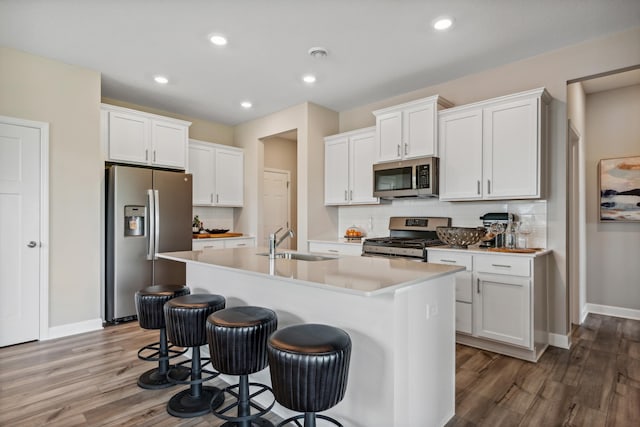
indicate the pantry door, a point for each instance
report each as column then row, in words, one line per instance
column 22, row 163
column 277, row 204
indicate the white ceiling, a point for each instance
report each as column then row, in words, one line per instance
column 377, row 48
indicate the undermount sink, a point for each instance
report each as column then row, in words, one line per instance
column 300, row 256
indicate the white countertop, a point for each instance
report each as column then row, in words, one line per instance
column 353, row 274
column 485, row 251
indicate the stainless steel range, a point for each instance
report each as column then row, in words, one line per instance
column 408, row 237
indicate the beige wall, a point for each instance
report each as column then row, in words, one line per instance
column 312, row 123
column 551, row 70
column 613, row 249
column 200, row 129
column 282, row 154
column 68, row 98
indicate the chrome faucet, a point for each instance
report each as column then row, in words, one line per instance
column 274, row 242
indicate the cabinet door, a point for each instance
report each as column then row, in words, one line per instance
column 389, row 136
column 229, row 177
column 201, row 161
column 336, row 171
column 511, row 150
column 361, row 158
column 169, row 144
column 129, row 136
column 460, row 147
column 419, row 127
column 502, row 309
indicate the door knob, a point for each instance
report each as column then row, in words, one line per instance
column 32, row 244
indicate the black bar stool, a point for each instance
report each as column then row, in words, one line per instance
column 149, row 303
column 309, row 367
column 186, row 317
column 238, row 346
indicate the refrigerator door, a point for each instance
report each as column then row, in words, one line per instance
column 173, row 198
column 127, row 267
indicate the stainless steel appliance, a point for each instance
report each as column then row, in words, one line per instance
column 406, row 178
column 148, row 211
column 408, row 237
column 488, row 219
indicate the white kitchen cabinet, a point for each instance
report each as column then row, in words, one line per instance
column 494, row 149
column 218, row 174
column 501, row 301
column 348, row 168
column 223, row 243
column 336, row 248
column 408, row 130
column 147, row 139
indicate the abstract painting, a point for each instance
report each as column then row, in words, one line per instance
column 620, row 189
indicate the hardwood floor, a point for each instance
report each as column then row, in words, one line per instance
column 90, row 380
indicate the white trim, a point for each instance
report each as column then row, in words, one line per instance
column 583, row 313
column 74, row 328
column 562, row 341
column 44, row 217
column 608, row 310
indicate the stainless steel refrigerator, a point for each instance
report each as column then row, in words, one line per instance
column 148, row 211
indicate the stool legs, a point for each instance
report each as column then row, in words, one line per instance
column 156, row 378
column 197, row 400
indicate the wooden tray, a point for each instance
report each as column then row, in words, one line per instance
column 515, row 251
column 215, row 236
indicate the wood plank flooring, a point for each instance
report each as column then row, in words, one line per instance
column 90, row 380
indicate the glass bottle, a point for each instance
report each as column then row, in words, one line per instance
column 510, row 235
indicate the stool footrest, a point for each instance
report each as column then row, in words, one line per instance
column 302, row 416
column 206, row 361
column 262, row 388
column 155, row 356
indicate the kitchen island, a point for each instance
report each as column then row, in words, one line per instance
column 399, row 314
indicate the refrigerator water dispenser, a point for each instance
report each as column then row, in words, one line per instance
column 134, row 220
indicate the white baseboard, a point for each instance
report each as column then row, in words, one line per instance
column 73, row 329
column 562, row 341
column 608, row 310
column 583, row 313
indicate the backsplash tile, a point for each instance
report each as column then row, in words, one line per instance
column 374, row 220
column 215, row 217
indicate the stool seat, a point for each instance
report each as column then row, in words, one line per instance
column 149, row 307
column 309, row 366
column 186, row 319
column 238, row 346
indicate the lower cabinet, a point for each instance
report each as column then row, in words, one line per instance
column 501, row 301
column 335, row 248
column 222, row 243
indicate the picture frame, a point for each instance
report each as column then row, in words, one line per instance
column 619, row 185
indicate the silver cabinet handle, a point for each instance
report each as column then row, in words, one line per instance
column 501, row 265
column 406, row 149
column 332, row 250
column 478, row 187
column 398, row 150
column 217, row 198
column 211, row 197
column 154, row 155
column 488, row 186
column 146, row 155
column 449, row 261
column 345, row 195
column 241, row 244
column 350, row 194
column 478, row 285
column 32, row 244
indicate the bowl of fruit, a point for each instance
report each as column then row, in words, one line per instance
column 353, row 233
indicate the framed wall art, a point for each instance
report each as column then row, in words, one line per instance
column 619, row 181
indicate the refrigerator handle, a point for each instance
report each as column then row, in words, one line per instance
column 156, row 223
column 150, row 237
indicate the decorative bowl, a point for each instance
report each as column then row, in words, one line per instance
column 460, row 237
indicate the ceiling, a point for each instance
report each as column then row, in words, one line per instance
column 376, row 48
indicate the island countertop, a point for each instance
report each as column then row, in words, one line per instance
column 352, row 274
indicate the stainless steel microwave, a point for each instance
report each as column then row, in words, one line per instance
column 406, row 178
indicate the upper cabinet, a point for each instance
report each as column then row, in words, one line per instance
column 136, row 137
column 408, row 130
column 494, row 149
column 218, row 174
column 348, row 160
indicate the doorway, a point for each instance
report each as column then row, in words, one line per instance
column 24, row 229
column 277, row 203
column 281, row 156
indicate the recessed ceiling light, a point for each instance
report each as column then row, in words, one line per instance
column 218, row 40
column 246, row 104
column 161, row 80
column 309, row 78
column 443, row 23
column 318, row 52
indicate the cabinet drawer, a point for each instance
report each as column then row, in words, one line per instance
column 463, row 317
column 336, row 248
column 239, row 243
column 497, row 264
column 464, row 286
column 209, row 244
column 450, row 258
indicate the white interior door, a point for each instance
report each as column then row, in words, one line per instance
column 276, row 203
column 20, row 240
